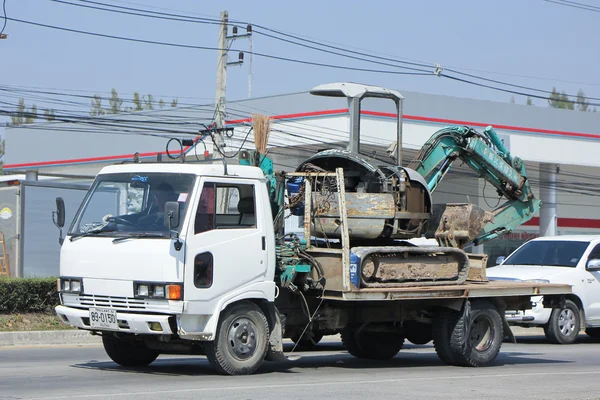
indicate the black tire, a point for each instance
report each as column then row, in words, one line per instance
column 443, row 326
column 308, row 340
column 241, row 341
column 417, row 332
column 476, row 341
column 371, row 344
column 564, row 324
column 593, row 332
column 350, row 342
column 128, row 353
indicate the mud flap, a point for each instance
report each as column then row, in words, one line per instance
column 508, row 334
column 275, row 349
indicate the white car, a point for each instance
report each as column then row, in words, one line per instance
column 572, row 260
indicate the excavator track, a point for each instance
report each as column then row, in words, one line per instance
column 401, row 266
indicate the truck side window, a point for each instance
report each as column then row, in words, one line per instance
column 203, row 270
column 225, row 206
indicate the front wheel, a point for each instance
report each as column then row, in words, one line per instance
column 564, row 324
column 128, row 353
column 241, row 341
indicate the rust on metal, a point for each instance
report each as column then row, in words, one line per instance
column 459, row 224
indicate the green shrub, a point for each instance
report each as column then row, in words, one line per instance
column 21, row 295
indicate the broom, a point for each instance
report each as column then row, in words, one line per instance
column 262, row 129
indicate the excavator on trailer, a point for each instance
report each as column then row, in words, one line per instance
column 220, row 276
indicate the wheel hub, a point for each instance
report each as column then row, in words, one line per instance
column 481, row 335
column 241, row 337
column 566, row 322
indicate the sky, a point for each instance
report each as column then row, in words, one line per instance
column 533, row 43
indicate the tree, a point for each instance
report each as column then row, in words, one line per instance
column 49, row 114
column 568, row 104
column 529, row 101
column 174, row 103
column 115, row 102
column 149, row 102
column 161, row 103
column 19, row 115
column 137, row 102
column 582, row 103
column 554, row 100
column 31, row 115
column 96, row 106
column 512, row 99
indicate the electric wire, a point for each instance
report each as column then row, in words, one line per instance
column 196, row 47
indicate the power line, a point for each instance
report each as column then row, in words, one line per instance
column 574, row 4
column 287, row 59
column 4, row 16
column 209, row 20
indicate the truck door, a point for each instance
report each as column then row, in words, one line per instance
column 592, row 285
column 224, row 243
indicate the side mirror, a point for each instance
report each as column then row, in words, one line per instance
column 500, row 260
column 593, row 264
column 58, row 216
column 171, row 218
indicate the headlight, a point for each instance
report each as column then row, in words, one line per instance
column 158, row 291
column 142, row 291
column 70, row 285
column 151, row 290
column 537, row 280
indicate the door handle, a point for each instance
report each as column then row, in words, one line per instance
column 590, row 280
column 264, row 242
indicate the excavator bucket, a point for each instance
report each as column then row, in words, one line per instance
column 457, row 224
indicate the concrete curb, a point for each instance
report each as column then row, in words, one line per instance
column 81, row 337
column 48, row 338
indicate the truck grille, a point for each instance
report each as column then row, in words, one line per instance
column 126, row 303
column 85, row 301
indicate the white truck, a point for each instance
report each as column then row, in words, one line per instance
column 192, row 258
column 569, row 259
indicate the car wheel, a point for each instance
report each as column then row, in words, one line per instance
column 564, row 324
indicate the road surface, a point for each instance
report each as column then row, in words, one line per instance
column 531, row 369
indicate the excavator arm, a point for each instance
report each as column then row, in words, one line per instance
column 485, row 154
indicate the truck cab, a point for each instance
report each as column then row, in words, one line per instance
column 155, row 240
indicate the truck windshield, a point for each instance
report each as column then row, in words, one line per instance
column 555, row 253
column 124, row 204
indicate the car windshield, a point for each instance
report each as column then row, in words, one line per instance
column 556, row 253
column 124, row 204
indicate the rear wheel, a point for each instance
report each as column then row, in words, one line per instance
column 471, row 340
column 128, row 353
column 564, row 324
column 350, row 342
column 443, row 326
column 308, row 340
column 241, row 341
column 417, row 332
column 371, row 344
column 477, row 337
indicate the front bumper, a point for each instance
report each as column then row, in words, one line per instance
column 128, row 323
column 536, row 316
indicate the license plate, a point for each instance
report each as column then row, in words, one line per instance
column 103, row 318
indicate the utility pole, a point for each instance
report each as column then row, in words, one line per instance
column 222, row 64
column 221, row 80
